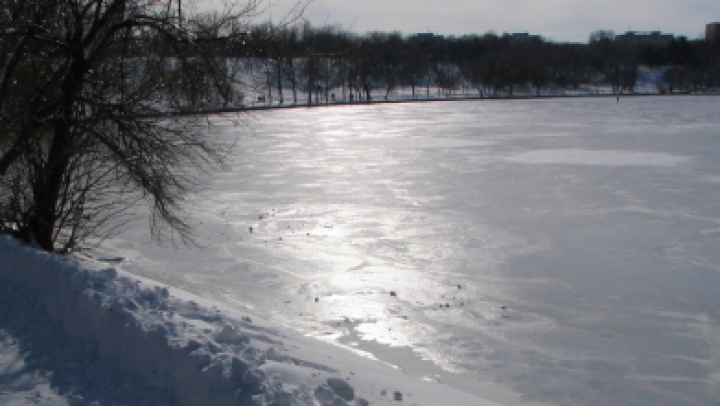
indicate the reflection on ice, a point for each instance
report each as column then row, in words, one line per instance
column 597, row 157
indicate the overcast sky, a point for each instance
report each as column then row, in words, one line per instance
column 559, row 20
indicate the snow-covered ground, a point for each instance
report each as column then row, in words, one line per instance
column 255, row 92
column 559, row 251
column 84, row 334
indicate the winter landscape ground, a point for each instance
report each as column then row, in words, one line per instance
column 525, row 252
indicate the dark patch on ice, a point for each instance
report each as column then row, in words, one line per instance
column 112, row 259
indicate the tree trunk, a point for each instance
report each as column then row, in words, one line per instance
column 268, row 84
column 309, row 90
column 9, row 157
column 293, row 80
column 279, row 84
column 47, row 186
column 47, row 189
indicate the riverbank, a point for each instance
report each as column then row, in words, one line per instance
column 80, row 332
column 450, row 98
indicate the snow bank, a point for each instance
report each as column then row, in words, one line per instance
column 140, row 342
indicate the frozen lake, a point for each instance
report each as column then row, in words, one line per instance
column 564, row 251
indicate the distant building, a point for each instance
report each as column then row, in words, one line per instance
column 655, row 38
column 425, row 39
column 712, row 32
column 523, row 36
column 426, row 36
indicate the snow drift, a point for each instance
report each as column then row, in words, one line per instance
column 131, row 340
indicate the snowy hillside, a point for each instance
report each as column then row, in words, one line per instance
column 84, row 334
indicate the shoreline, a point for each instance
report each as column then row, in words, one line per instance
column 96, row 331
column 263, row 107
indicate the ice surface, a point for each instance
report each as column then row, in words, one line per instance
column 597, row 157
column 562, row 250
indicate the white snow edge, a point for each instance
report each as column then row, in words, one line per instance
column 192, row 351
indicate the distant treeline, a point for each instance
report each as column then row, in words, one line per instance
column 319, row 60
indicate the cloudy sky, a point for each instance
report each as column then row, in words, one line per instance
column 559, row 20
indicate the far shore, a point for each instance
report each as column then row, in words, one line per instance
column 449, row 98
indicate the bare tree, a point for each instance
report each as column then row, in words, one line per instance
column 85, row 89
